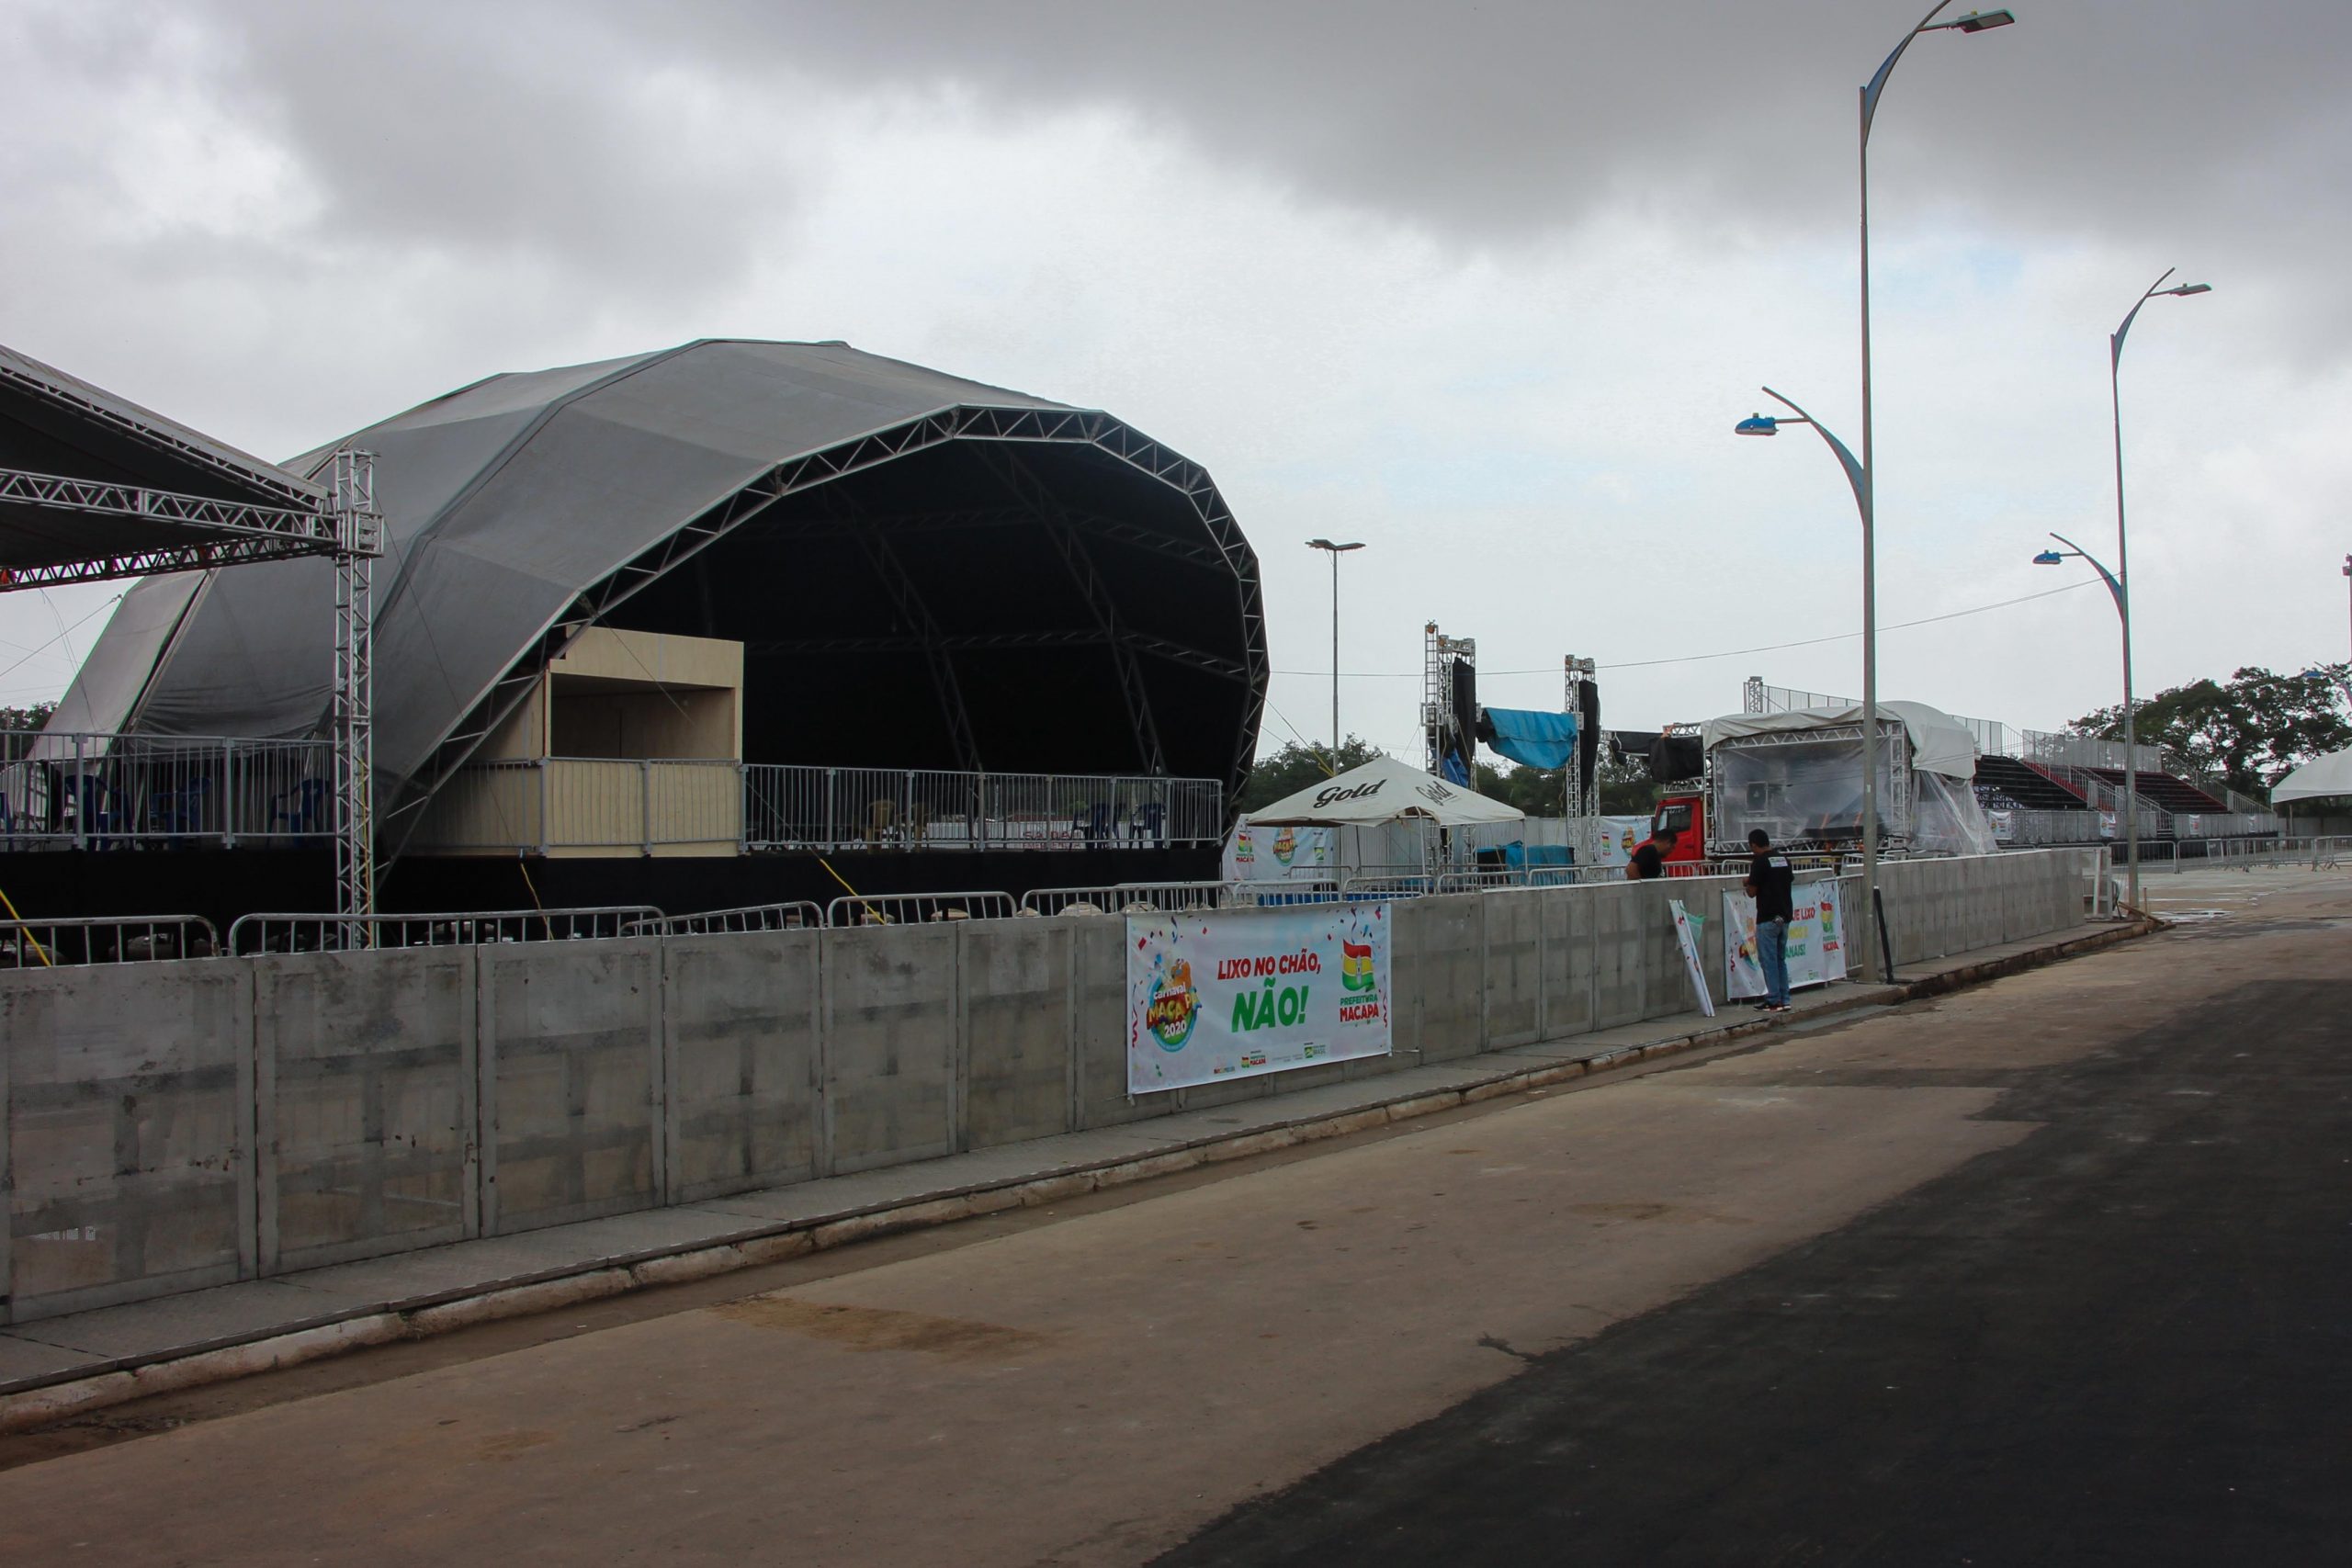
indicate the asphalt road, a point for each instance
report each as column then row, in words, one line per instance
column 2048, row 1271
column 2124, row 1339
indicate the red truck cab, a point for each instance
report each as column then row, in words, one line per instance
column 1687, row 815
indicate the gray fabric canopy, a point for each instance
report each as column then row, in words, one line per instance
column 509, row 502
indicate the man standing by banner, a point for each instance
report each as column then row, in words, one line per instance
column 1771, row 882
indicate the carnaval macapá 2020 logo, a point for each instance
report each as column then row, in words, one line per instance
column 1285, row 845
column 1174, row 1007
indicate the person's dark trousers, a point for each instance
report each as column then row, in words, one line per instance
column 1772, row 951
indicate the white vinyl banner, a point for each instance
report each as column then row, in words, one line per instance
column 1279, row 855
column 1683, row 921
column 1228, row 993
column 1816, row 939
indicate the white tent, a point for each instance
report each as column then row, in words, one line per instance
column 2316, row 780
column 1384, row 790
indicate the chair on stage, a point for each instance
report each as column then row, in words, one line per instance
column 881, row 816
column 1092, row 824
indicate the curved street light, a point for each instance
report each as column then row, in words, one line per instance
column 1857, row 477
column 2120, row 582
column 1863, row 474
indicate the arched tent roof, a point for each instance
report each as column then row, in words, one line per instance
column 1939, row 743
column 2322, row 778
column 943, row 573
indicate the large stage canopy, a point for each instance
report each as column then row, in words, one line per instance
column 924, row 571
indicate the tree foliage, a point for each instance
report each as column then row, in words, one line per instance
column 32, row 717
column 1296, row 765
column 2249, row 730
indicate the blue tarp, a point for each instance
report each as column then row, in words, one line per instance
column 1536, row 738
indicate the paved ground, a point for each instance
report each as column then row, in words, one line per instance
column 2047, row 1271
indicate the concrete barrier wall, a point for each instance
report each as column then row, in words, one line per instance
column 173, row 1125
column 130, row 1134
column 365, row 1076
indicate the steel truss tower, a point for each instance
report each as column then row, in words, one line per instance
column 358, row 535
column 1438, row 715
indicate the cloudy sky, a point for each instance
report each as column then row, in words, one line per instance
column 1484, row 286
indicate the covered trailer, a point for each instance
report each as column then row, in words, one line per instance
column 1798, row 776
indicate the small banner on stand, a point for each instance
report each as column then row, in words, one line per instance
column 1684, row 921
column 1234, row 993
column 1817, row 943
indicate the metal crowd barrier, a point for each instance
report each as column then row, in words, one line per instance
column 72, row 943
column 261, row 933
column 1116, row 897
column 1283, row 892
column 102, row 791
column 808, row 808
column 917, row 908
column 798, row 914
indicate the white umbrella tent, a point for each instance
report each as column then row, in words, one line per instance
column 1385, row 811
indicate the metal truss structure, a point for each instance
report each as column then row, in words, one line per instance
column 1437, row 716
column 909, row 601
column 1048, row 512
column 358, row 534
column 1003, row 430
column 217, row 533
column 1581, row 805
column 138, row 529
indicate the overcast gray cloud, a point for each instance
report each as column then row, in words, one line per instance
column 1485, row 284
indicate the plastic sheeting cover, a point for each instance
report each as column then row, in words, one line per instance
column 1939, row 743
column 1532, row 736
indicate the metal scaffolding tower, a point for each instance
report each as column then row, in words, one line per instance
column 358, row 538
column 1439, row 718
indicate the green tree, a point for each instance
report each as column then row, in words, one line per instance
column 2249, row 730
column 1626, row 788
column 32, row 717
column 1296, row 765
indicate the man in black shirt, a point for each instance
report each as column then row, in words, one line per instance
column 1648, row 861
column 1771, row 882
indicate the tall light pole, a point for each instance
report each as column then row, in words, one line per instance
column 2120, row 583
column 1337, row 551
column 1866, row 484
column 2115, row 591
column 2348, row 586
column 1857, row 477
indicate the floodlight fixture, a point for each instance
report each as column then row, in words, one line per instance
column 2188, row 288
column 1983, row 21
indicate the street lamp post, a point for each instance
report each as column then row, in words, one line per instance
column 1863, row 474
column 2115, row 591
column 1857, row 475
column 2120, row 583
column 1337, row 551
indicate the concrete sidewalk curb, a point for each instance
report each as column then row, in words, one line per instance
column 40, row 1401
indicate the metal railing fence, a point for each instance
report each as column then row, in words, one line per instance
column 75, row 942
column 2084, row 752
column 917, row 908
column 2024, row 829
column 797, row 914
column 834, row 809
column 103, row 791
column 1118, row 897
column 250, row 935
